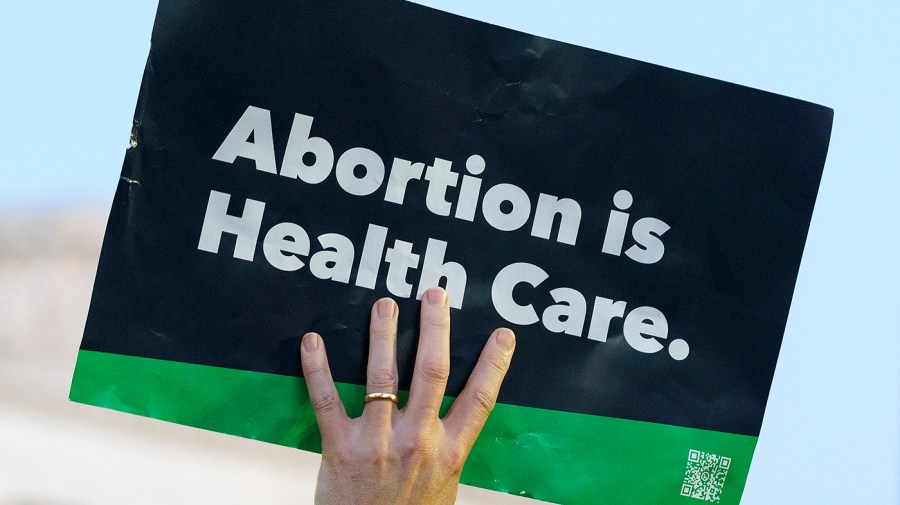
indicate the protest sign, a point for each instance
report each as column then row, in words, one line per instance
column 638, row 227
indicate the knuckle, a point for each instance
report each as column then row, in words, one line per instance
column 342, row 454
column 312, row 369
column 441, row 324
column 484, row 401
column 382, row 335
column 434, row 371
column 325, row 401
column 383, row 378
column 377, row 457
column 499, row 365
column 417, row 447
column 456, row 458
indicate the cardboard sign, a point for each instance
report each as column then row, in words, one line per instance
column 639, row 228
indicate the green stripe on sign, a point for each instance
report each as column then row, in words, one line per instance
column 549, row 455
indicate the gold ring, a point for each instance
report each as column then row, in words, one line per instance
column 381, row 396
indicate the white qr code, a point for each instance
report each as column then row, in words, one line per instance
column 705, row 476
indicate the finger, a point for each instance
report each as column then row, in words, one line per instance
column 433, row 356
column 381, row 372
column 323, row 396
column 476, row 401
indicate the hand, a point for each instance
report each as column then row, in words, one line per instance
column 392, row 456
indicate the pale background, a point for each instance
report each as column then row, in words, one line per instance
column 69, row 76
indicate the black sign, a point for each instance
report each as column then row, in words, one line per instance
column 639, row 228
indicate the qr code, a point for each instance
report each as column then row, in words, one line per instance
column 705, row 475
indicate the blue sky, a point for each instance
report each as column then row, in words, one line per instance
column 71, row 72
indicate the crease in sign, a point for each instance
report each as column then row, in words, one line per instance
column 133, row 137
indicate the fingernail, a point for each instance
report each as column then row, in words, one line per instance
column 310, row 342
column 506, row 338
column 436, row 296
column 386, row 308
